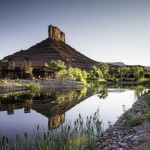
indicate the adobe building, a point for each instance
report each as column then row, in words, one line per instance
column 19, row 70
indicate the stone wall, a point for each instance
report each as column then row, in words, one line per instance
column 56, row 34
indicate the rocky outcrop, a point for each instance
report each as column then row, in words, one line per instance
column 56, row 34
column 53, row 48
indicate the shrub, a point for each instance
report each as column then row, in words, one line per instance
column 132, row 121
column 81, row 79
column 147, row 115
column 147, row 99
column 34, row 87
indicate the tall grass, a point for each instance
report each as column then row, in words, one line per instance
column 80, row 136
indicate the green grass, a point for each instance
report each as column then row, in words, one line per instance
column 147, row 99
column 147, row 115
column 134, row 121
column 80, row 136
column 34, row 87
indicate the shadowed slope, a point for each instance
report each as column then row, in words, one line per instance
column 52, row 49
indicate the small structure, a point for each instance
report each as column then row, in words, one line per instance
column 44, row 72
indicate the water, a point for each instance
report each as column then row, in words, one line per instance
column 23, row 112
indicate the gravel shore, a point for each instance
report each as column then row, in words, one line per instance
column 20, row 85
column 125, row 136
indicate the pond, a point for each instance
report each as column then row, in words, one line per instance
column 24, row 111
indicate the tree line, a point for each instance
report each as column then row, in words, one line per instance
column 101, row 71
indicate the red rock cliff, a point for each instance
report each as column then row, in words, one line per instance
column 56, row 34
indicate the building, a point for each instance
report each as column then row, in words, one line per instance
column 22, row 70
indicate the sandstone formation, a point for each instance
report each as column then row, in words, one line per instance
column 53, row 48
column 56, row 34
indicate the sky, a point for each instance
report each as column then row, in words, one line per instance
column 104, row 30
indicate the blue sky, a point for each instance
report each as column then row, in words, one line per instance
column 104, row 30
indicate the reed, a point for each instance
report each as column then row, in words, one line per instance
column 83, row 134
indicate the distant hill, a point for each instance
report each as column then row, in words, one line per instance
column 147, row 66
column 116, row 63
column 53, row 48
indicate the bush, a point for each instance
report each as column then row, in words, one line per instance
column 132, row 121
column 81, row 79
column 147, row 98
column 147, row 115
column 34, row 87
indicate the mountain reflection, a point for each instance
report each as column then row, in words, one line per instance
column 53, row 105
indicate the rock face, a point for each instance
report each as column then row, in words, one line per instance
column 56, row 34
column 53, row 48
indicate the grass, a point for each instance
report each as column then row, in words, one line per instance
column 147, row 99
column 133, row 120
column 147, row 115
column 80, row 136
column 34, row 87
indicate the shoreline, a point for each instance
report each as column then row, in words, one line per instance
column 22, row 85
column 126, row 136
column 124, row 82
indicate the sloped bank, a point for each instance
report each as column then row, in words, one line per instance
column 132, row 130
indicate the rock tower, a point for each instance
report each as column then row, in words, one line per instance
column 56, row 34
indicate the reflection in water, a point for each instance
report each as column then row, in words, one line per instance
column 103, row 94
column 139, row 89
column 52, row 105
column 54, row 122
column 27, row 106
column 10, row 109
column 56, row 105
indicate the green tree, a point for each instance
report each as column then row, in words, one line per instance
column 59, row 65
column 104, row 69
column 95, row 73
column 123, row 72
column 70, row 72
column 138, row 72
column 84, row 74
column 113, row 72
column 80, row 78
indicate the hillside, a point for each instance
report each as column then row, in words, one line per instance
column 53, row 48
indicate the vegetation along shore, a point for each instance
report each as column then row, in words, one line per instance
column 131, row 131
column 76, row 78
